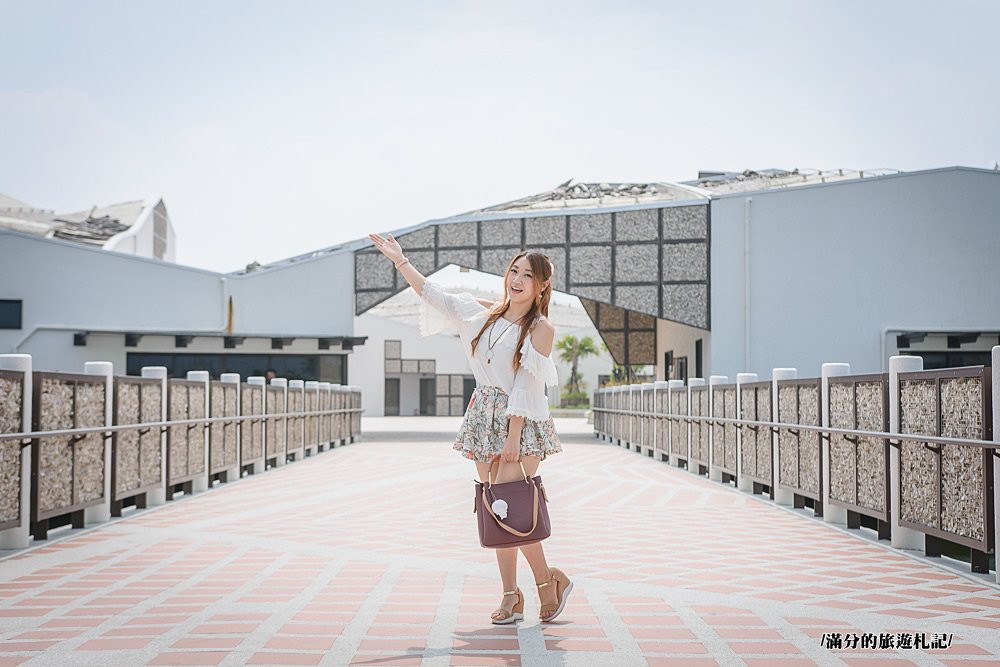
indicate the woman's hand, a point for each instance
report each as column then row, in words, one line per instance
column 511, row 451
column 388, row 246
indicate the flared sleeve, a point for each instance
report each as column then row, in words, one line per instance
column 444, row 312
column 527, row 397
column 541, row 367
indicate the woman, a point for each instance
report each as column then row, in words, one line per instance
column 509, row 346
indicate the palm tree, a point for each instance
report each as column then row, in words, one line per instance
column 620, row 373
column 571, row 350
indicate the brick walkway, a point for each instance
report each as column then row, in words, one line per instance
column 329, row 562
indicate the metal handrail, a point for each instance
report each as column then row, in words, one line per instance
column 28, row 436
column 893, row 438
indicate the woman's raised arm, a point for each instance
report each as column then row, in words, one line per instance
column 390, row 248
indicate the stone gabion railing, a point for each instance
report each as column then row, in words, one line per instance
column 800, row 453
column 945, row 488
column 137, row 454
column 79, row 448
column 859, row 465
column 910, row 454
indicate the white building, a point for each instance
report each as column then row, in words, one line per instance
column 139, row 228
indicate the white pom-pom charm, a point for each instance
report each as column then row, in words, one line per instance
column 500, row 508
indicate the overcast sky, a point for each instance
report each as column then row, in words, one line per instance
column 276, row 128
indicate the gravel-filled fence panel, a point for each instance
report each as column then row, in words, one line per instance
column 678, row 425
column 252, row 430
column 136, row 455
column 946, row 491
column 276, row 427
column 68, row 470
column 296, row 403
column 11, row 421
column 699, row 429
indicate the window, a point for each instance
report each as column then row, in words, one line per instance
column 10, row 313
column 680, row 369
column 428, row 396
column 697, row 359
column 322, row 367
column 935, row 360
column 391, row 397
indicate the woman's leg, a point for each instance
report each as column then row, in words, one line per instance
column 506, row 558
column 535, row 553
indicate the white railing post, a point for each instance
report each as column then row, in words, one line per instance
column 902, row 538
column 714, row 473
column 694, row 382
column 673, row 386
column 201, row 483
column 356, row 403
column 299, row 386
column 326, row 399
column 742, row 483
column 282, row 458
column 660, row 390
column 995, row 458
column 19, row 537
column 260, row 408
column 102, row 513
column 648, row 425
column 781, row 496
column 831, row 514
column 312, row 389
column 627, row 426
column 158, row 496
column 621, row 393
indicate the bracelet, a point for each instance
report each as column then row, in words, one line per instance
column 401, row 263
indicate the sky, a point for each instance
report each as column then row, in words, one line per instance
column 272, row 129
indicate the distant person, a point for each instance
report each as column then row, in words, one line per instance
column 270, row 375
column 508, row 417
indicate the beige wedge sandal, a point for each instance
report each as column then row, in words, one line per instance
column 503, row 617
column 563, row 587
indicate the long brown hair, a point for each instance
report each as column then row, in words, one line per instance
column 541, row 274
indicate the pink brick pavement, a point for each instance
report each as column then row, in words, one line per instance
column 368, row 555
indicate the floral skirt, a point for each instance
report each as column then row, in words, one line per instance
column 484, row 429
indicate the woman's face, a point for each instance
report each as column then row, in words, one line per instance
column 520, row 283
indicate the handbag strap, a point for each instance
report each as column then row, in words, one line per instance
column 513, row 531
column 498, row 463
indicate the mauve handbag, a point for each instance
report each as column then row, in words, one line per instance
column 512, row 514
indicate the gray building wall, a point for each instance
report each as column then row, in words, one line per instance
column 67, row 288
column 833, row 266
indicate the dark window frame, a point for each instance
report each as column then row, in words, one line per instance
column 14, row 310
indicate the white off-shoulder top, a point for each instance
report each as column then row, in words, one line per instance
column 463, row 315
